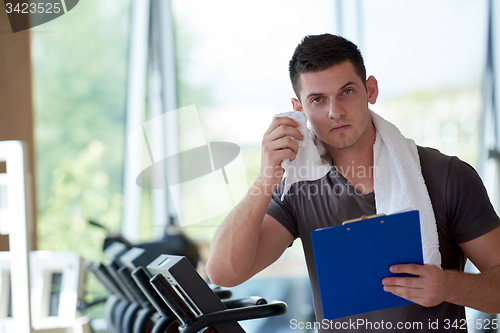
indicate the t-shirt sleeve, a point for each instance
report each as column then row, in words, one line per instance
column 470, row 210
column 282, row 211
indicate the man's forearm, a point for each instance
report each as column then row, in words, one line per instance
column 479, row 291
column 235, row 244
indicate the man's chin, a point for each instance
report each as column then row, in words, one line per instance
column 339, row 145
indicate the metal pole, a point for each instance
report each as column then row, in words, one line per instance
column 136, row 97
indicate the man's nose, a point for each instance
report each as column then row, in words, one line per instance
column 335, row 110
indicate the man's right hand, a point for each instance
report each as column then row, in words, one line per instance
column 249, row 240
column 278, row 145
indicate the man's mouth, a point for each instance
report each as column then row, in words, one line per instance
column 340, row 128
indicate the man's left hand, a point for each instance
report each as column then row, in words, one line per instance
column 429, row 288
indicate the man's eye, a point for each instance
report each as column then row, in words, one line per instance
column 348, row 91
column 316, row 100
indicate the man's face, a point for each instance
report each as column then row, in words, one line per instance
column 336, row 103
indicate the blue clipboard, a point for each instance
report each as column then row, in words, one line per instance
column 352, row 259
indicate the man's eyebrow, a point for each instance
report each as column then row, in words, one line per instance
column 340, row 89
column 314, row 94
column 347, row 84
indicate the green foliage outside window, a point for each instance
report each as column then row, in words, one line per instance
column 79, row 80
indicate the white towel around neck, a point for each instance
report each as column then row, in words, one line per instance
column 399, row 184
column 398, row 180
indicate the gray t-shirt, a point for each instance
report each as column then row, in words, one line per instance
column 462, row 210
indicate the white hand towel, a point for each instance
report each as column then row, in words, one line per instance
column 399, row 184
column 308, row 164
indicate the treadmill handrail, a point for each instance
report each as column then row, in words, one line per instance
column 274, row 308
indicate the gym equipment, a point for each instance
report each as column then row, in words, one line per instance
column 174, row 241
column 165, row 320
column 123, row 303
column 18, row 214
column 195, row 304
column 146, row 316
column 56, row 286
column 115, row 303
column 129, row 310
column 130, row 303
column 169, row 296
column 138, row 281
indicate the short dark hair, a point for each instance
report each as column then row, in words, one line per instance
column 318, row 52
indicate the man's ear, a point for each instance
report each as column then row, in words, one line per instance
column 296, row 105
column 372, row 89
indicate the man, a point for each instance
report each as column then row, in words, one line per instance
column 329, row 79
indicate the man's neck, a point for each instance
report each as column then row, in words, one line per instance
column 356, row 163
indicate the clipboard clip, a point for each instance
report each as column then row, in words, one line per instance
column 364, row 217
